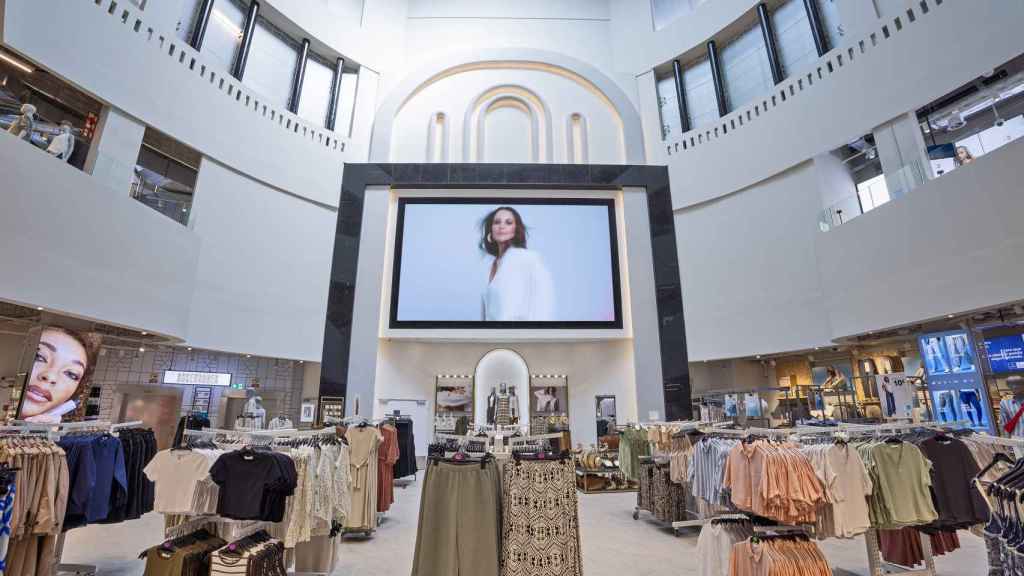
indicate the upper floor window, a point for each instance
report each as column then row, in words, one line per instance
column 668, row 104
column 271, row 65
column 831, row 21
column 699, row 91
column 165, row 175
column 793, row 37
column 224, row 33
column 187, row 19
column 667, row 11
column 315, row 100
column 746, row 71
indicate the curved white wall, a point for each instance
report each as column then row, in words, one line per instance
column 480, row 117
column 152, row 77
column 75, row 247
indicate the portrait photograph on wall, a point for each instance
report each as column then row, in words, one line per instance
column 59, row 375
column 508, row 263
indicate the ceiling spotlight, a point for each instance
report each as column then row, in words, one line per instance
column 302, row 361
column 189, row 348
column 145, row 333
column 949, row 315
column 40, row 308
column 142, row 349
column 248, row 355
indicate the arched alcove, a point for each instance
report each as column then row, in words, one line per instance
column 501, row 371
column 565, row 86
column 437, row 140
column 518, row 123
column 576, row 139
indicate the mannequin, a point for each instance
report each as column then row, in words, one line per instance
column 503, row 410
column 492, row 405
column 513, row 405
column 1011, row 410
column 836, row 380
column 23, row 125
column 63, row 144
column 254, row 410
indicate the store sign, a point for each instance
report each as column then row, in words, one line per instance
column 897, row 395
column 200, row 378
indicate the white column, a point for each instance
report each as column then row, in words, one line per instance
column 903, row 153
column 114, row 150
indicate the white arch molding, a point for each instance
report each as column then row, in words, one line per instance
column 579, row 71
column 518, row 97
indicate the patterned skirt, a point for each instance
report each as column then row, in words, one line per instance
column 540, row 519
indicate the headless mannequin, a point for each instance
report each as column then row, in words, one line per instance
column 63, row 144
column 23, row 125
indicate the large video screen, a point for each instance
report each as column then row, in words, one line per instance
column 1006, row 353
column 947, row 353
column 505, row 263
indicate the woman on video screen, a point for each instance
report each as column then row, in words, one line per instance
column 518, row 284
column 64, row 362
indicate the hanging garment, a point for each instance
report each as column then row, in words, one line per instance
column 38, row 510
column 540, row 519
column 460, row 524
column 779, row 556
column 387, row 456
column 188, row 555
column 406, row 464
column 254, row 484
column 363, row 444
column 714, row 546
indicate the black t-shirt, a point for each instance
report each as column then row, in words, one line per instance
column 253, row 484
column 957, row 500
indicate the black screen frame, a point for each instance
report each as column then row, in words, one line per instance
column 403, row 201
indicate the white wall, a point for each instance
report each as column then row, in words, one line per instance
column 911, row 68
column 106, row 57
column 950, row 246
column 263, row 270
column 74, row 246
column 459, row 95
column 749, row 270
column 580, row 29
column 407, row 369
column 370, row 32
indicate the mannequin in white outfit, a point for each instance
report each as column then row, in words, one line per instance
column 63, row 144
column 518, row 286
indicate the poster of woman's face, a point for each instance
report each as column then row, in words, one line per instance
column 62, row 366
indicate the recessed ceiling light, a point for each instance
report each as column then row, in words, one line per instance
column 145, row 333
column 949, row 315
column 302, row 361
column 142, row 349
column 248, row 355
column 189, row 348
column 40, row 308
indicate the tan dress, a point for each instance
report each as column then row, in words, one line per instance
column 363, row 444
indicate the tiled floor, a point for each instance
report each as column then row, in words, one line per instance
column 613, row 545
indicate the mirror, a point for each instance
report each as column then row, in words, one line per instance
column 502, row 384
column 605, row 416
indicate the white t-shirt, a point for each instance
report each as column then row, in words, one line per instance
column 175, row 474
